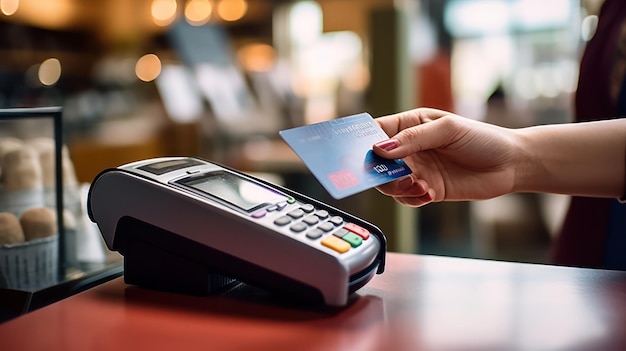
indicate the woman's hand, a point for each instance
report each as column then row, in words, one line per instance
column 452, row 157
column 456, row 158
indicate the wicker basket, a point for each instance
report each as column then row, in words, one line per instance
column 31, row 265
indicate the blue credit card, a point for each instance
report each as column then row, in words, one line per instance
column 339, row 154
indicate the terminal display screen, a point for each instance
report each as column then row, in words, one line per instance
column 235, row 190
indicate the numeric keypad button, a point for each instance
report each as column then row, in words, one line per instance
column 314, row 233
column 326, row 226
column 297, row 213
column 282, row 221
column 322, row 214
column 298, row 227
column 311, row 220
column 308, row 208
column 336, row 220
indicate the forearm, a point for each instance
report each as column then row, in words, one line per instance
column 585, row 159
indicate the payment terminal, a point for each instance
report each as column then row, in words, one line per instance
column 192, row 226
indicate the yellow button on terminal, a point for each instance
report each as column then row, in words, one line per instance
column 336, row 243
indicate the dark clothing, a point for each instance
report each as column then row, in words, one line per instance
column 594, row 227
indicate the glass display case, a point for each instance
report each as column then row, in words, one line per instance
column 48, row 247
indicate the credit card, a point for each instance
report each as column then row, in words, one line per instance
column 339, row 154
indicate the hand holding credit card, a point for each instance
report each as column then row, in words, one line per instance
column 339, row 154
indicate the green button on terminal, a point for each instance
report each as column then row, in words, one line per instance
column 353, row 239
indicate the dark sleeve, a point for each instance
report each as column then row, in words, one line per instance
column 623, row 198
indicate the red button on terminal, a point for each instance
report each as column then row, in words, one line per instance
column 358, row 230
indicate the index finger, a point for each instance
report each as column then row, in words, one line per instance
column 394, row 123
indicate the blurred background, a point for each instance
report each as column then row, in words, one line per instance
column 218, row 79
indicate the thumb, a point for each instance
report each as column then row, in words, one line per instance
column 434, row 134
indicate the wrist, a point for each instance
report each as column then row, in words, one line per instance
column 584, row 159
column 527, row 162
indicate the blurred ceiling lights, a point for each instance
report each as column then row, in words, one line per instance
column 58, row 14
column 198, row 12
column 47, row 14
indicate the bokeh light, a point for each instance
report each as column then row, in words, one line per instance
column 9, row 7
column 257, row 57
column 232, row 10
column 198, row 12
column 49, row 71
column 148, row 67
column 163, row 12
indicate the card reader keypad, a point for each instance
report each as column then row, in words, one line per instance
column 334, row 232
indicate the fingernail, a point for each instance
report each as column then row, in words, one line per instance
column 405, row 182
column 430, row 195
column 388, row 144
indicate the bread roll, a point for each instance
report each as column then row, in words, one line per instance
column 21, row 170
column 10, row 229
column 38, row 222
column 46, row 150
column 8, row 144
